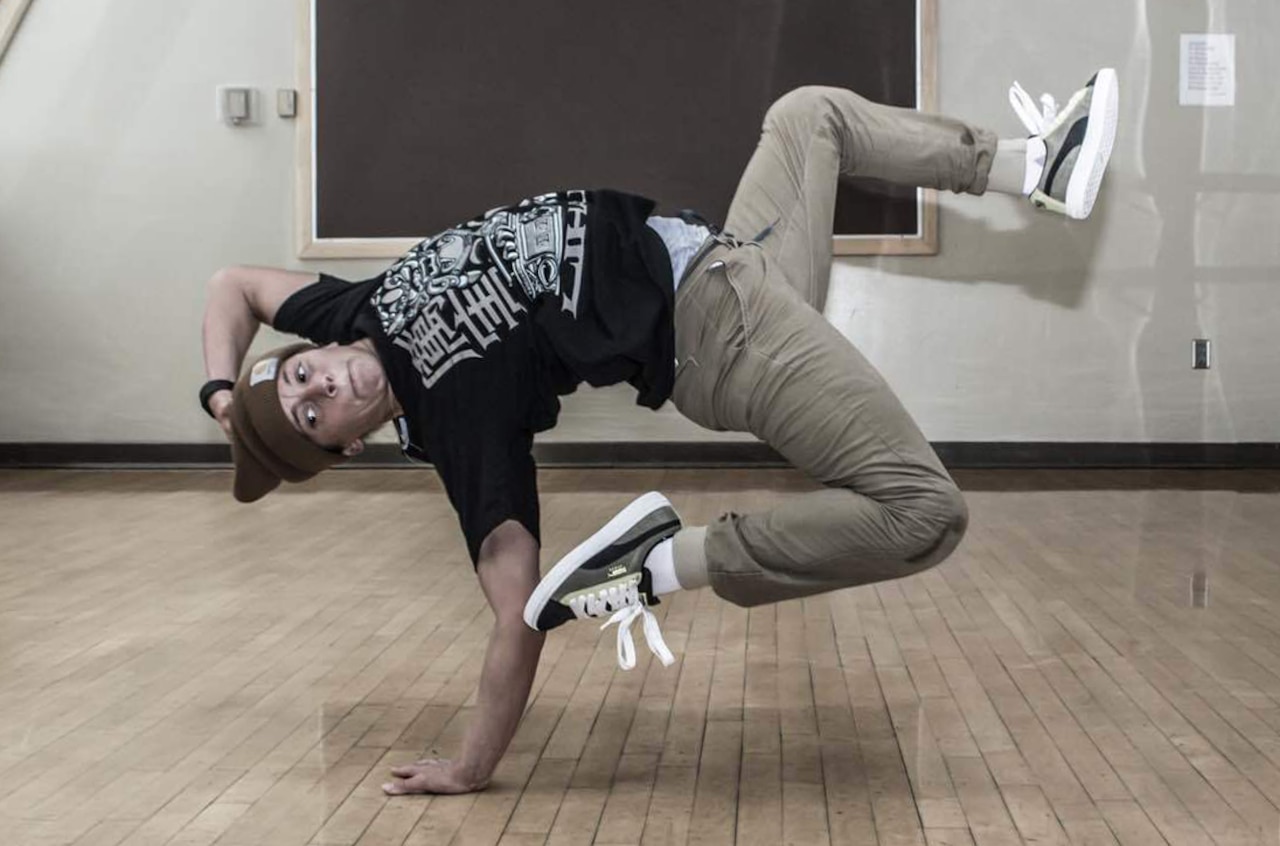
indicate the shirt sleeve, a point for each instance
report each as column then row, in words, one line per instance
column 328, row 310
column 489, row 474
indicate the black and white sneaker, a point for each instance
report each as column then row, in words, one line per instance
column 1078, row 141
column 605, row 576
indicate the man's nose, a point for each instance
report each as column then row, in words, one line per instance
column 323, row 387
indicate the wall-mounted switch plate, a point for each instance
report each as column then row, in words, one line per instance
column 286, row 103
column 1200, row 353
column 237, row 105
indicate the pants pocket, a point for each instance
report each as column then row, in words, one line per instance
column 692, row 393
column 712, row 331
column 728, row 313
column 743, row 317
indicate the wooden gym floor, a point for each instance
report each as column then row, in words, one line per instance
column 1098, row 663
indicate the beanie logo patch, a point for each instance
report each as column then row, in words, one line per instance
column 264, row 371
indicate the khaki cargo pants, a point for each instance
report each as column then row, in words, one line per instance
column 754, row 354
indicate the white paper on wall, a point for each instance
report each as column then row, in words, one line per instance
column 1207, row 75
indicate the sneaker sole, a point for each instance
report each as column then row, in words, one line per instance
column 612, row 531
column 1095, row 152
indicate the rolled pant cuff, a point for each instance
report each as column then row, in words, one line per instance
column 984, row 151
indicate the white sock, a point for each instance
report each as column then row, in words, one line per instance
column 662, row 568
column 1036, row 154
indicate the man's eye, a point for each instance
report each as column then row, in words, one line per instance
column 301, row 375
column 310, row 417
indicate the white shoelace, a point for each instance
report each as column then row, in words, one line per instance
column 626, row 604
column 1036, row 121
column 624, row 617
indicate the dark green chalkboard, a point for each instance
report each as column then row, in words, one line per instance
column 428, row 113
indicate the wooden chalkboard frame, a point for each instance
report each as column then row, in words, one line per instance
column 923, row 242
column 11, row 12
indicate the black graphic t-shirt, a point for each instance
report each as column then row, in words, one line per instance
column 481, row 327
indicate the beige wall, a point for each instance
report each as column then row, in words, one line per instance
column 120, row 194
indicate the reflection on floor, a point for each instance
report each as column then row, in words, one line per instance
column 1099, row 662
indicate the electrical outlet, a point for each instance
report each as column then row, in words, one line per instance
column 1200, row 354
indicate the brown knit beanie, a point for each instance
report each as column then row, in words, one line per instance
column 266, row 447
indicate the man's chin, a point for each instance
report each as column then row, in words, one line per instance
column 367, row 379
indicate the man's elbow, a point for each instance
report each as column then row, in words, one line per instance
column 237, row 283
column 226, row 283
column 508, row 572
column 225, row 277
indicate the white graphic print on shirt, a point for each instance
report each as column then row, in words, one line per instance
column 450, row 297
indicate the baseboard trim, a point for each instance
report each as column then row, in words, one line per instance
column 954, row 454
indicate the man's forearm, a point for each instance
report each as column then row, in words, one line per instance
column 510, row 663
column 508, row 572
column 229, row 327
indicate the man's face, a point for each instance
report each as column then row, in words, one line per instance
column 335, row 395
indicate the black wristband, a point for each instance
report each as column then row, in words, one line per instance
column 209, row 389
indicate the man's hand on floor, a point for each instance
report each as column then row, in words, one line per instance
column 431, row 775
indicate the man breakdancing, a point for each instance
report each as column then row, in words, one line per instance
column 468, row 341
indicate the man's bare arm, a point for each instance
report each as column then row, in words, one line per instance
column 508, row 571
column 239, row 300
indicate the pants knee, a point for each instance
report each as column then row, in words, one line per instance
column 944, row 516
column 805, row 102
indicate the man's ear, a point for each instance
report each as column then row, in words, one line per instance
column 354, row 448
